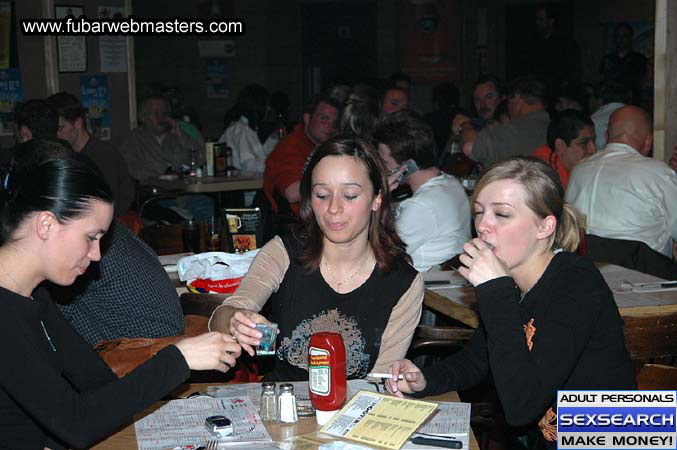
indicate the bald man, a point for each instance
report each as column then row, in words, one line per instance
column 623, row 193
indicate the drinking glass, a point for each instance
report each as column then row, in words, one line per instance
column 213, row 234
column 190, row 232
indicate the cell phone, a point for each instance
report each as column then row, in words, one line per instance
column 219, row 426
column 410, row 167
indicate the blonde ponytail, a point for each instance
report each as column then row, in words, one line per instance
column 568, row 234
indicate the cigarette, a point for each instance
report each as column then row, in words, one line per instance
column 384, row 375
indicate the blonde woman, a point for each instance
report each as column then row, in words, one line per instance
column 548, row 319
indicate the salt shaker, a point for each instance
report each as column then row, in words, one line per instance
column 287, row 404
column 268, row 402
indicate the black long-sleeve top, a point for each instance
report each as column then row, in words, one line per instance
column 577, row 344
column 55, row 390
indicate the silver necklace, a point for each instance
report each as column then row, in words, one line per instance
column 9, row 275
column 347, row 280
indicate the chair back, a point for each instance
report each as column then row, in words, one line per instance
column 633, row 255
column 657, row 377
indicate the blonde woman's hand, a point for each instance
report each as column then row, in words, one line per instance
column 481, row 264
column 243, row 328
column 412, row 378
column 209, row 351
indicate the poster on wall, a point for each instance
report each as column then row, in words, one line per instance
column 5, row 29
column 72, row 49
column 429, row 53
column 112, row 49
column 217, row 78
column 95, row 99
column 10, row 95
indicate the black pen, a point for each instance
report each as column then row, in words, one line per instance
column 445, row 442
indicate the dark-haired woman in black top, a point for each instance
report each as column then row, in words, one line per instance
column 55, row 391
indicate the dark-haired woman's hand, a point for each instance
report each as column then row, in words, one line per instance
column 210, row 351
column 481, row 264
column 243, row 328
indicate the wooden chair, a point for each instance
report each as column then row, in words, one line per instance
column 200, row 304
column 657, row 377
column 428, row 338
column 651, row 338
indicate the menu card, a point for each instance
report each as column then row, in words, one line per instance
column 379, row 420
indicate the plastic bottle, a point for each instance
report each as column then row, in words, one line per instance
column 327, row 372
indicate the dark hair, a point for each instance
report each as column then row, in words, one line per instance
column 488, row 78
column 530, row 88
column 445, row 95
column 47, row 175
column 384, row 241
column 360, row 112
column 407, row 136
column 314, row 102
column 39, row 117
column 613, row 91
column 399, row 76
column 251, row 103
column 566, row 125
column 574, row 91
column 67, row 106
column 280, row 103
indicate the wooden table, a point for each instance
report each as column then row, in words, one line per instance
column 207, row 185
column 126, row 437
column 650, row 318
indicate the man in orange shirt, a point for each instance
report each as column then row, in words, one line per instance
column 571, row 134
column 284, row 165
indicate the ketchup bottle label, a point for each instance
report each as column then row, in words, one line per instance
column 318, row 368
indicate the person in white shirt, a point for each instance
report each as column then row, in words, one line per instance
column 250, row 150
column 435, row 222
column 624, row 194
column 613, row 96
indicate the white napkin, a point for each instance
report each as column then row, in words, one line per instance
column 215, row 265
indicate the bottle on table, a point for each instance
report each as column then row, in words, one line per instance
column 327, row 374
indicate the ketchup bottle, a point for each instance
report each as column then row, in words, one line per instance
column 327, row 371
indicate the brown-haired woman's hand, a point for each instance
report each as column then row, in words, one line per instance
column 210, row 351
column 243, row 328
column 481, row 264
column 409, row 378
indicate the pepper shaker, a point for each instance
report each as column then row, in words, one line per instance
column 268, row 402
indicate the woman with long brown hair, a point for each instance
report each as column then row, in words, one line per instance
column 344, row 270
